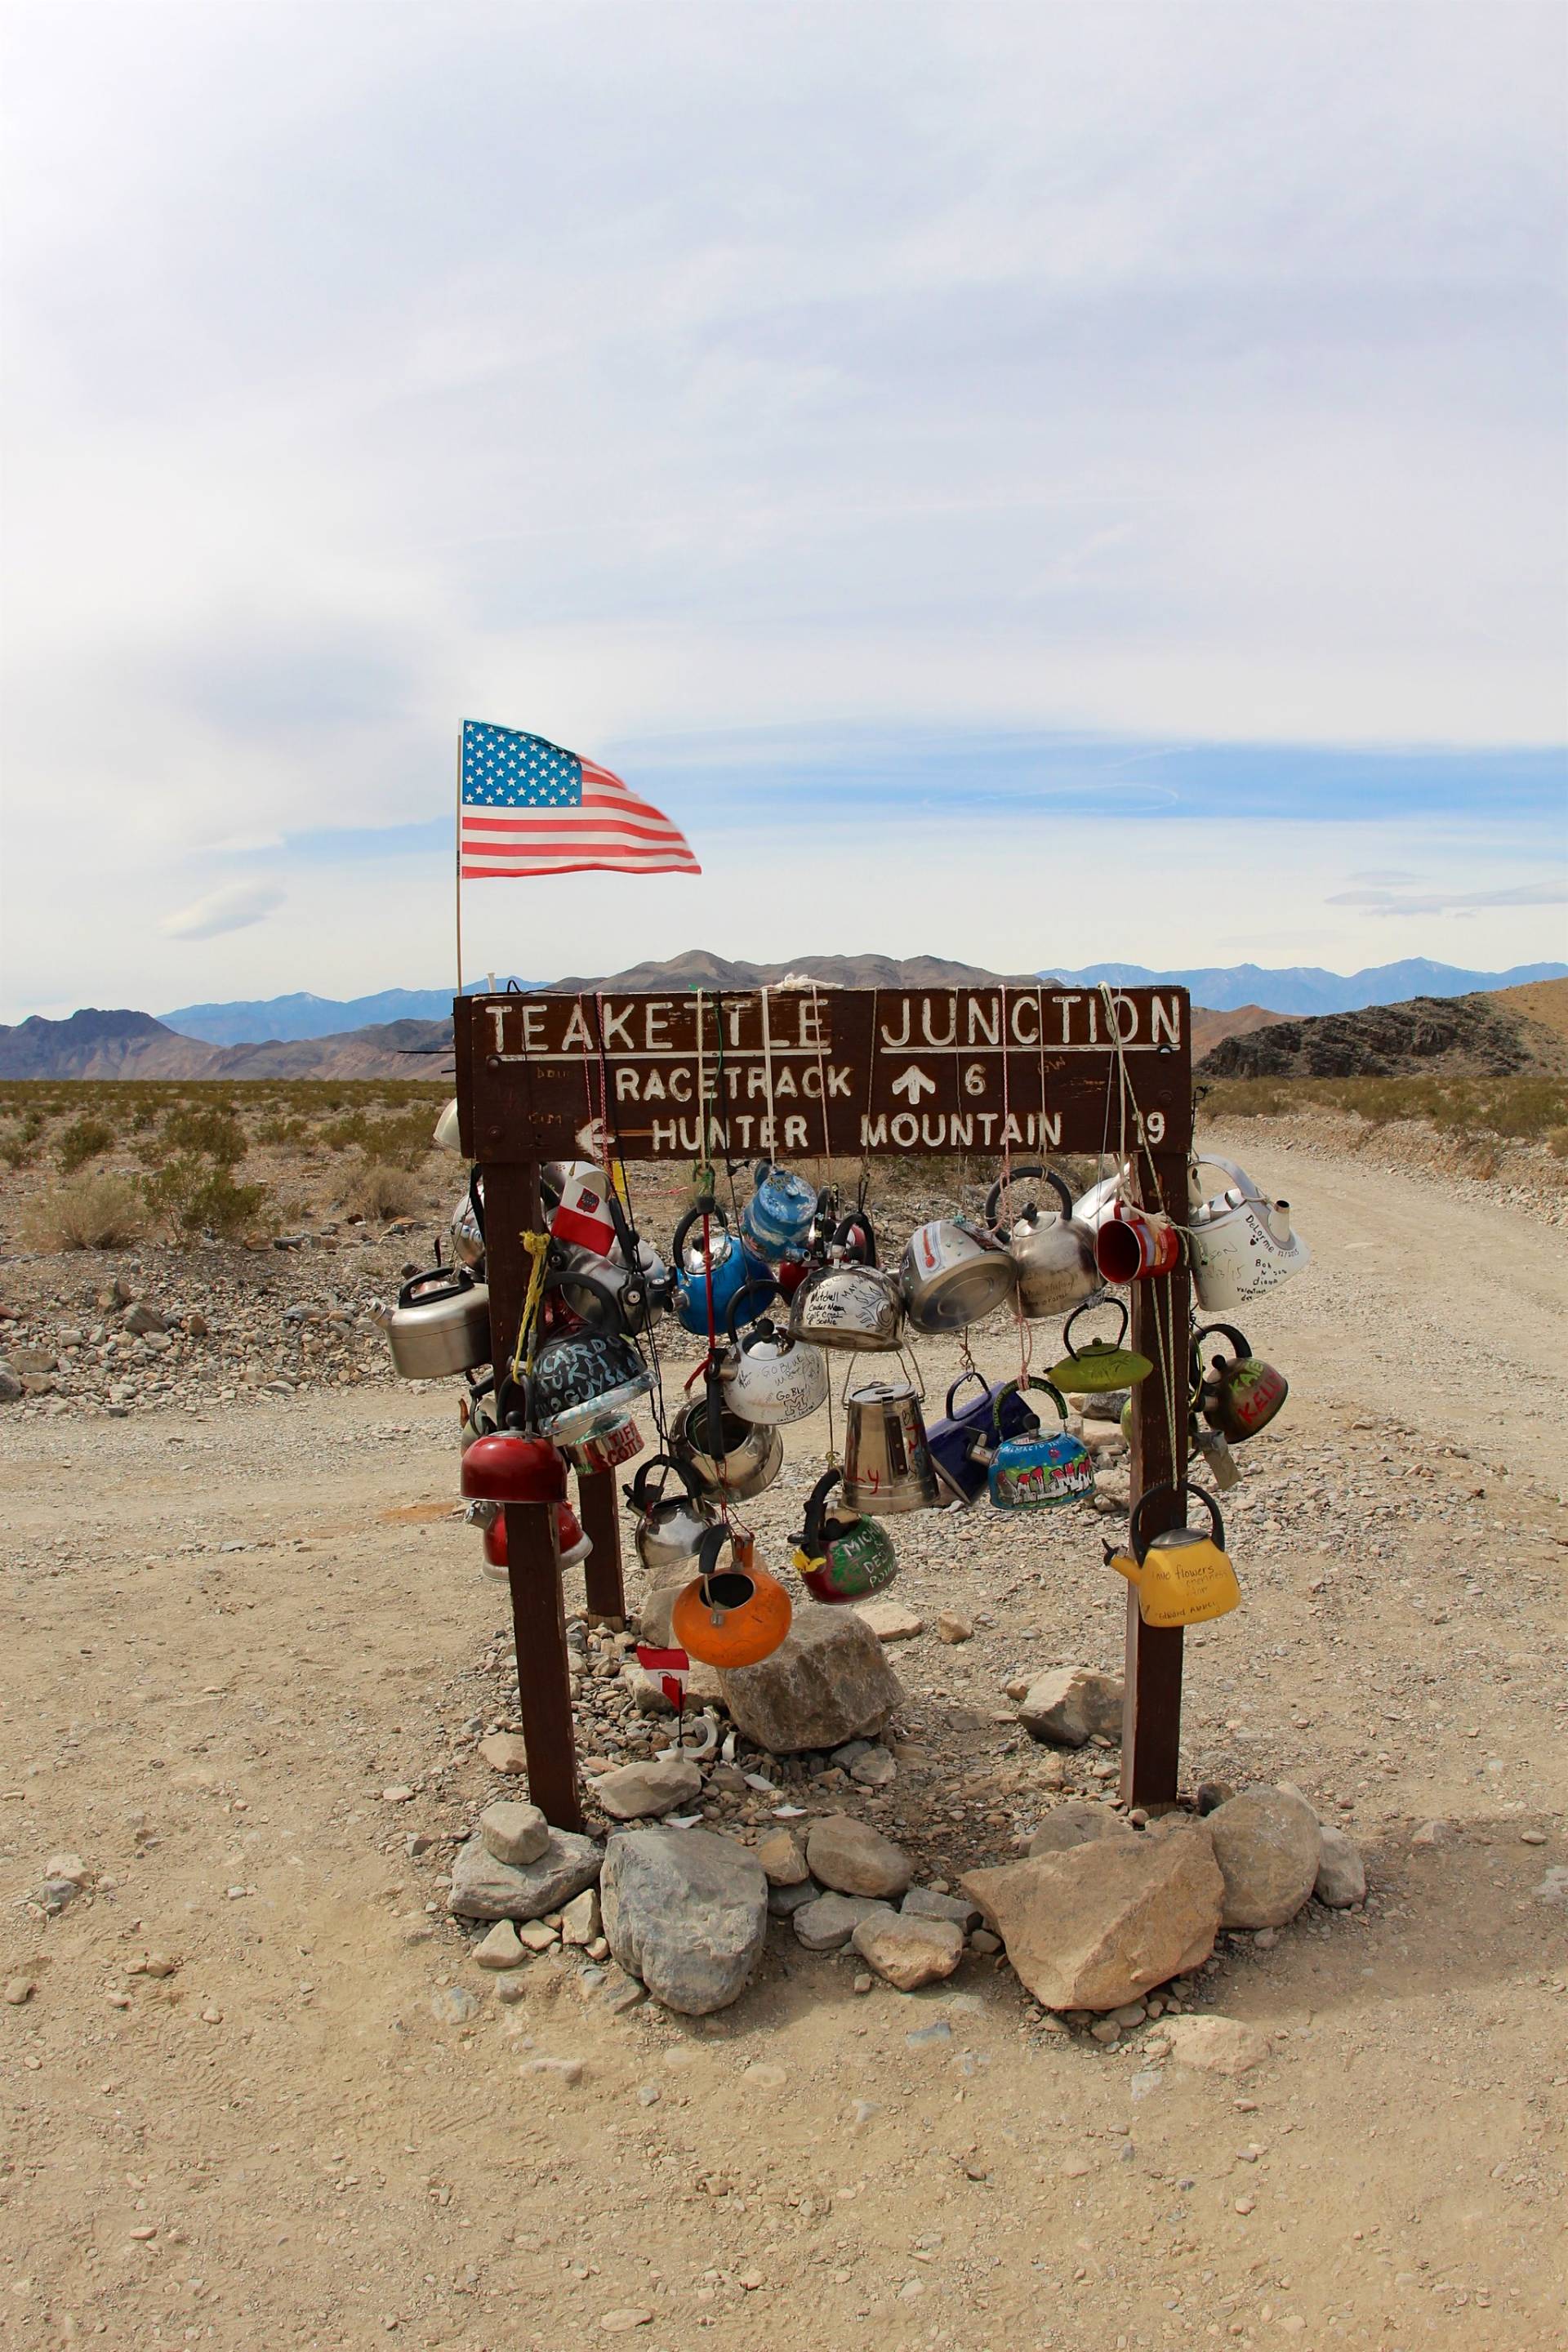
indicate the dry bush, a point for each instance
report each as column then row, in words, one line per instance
column 85, row 1138
column 88, row 1213
column 196, row 1197
column 377, row 1190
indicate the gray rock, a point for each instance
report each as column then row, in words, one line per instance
column 827, row 1925
column 634, row 1792
column 1267, row 1844
column 33, row 1359
column 142, row 1318
column 909, row 1952
column 875, row 1770
column 1071, row 1705
column 11, row 1389
column 453, row 2005
column 925, row 1903
column 514, row 1832
column 484, row 1888
column 783, row 1902
column 1076, row 1824
column 1553, row 1887
column 1341, row 1875
column 826, row 1682
column 687, row 1911
column 855, row 1859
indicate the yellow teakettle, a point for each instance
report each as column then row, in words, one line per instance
column 1182, row 1577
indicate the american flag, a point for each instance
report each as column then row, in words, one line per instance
column 529, row 807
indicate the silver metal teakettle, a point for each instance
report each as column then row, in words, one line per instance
column 768, row 1377
column 850, row 1305
column 952, row 1276
column 670, row 1527
column 1054, row 1251
column 886, row 1462
column 747, row 1457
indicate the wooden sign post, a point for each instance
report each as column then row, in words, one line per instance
column 862, row 1073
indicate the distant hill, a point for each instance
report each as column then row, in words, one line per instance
column 1481, row 1035
column 97, row 1044
column 288, row 1017
column 1308, row 988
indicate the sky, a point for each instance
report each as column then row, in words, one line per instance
column 1034, row 484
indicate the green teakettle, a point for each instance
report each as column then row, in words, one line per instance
column 1100, row 1365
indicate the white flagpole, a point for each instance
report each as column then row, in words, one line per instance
column 457, row 850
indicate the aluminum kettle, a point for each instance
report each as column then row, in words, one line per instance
column 952, row 1275
column 745, row 1459
column 887, row 1460
column 670, row 1527
column 768, row 1377
column 850, row 1305
column 1053, row 1251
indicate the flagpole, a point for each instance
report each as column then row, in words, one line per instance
column 458, row 858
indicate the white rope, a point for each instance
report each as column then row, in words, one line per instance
column 771, row 1152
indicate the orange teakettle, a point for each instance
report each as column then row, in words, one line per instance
column 733, row 1616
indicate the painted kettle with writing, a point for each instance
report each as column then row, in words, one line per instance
column 1034, row 1471
column 706, row 1281
column 769, row 1377
column 842, row 1555
column 582, row 1380
column 778, row 1216
column 1053, row 1251
column 1100, row 1366
column 851, row 1304
column 1242, row 1245
column 1181, row 1576
column 1237, row 1394
column 959, row 1443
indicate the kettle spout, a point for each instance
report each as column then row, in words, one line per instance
column 1124, row 1565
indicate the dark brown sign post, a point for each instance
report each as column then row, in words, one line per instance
column 797, row 1072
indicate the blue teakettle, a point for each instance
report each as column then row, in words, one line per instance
column 958, row 1443
column 1034, row 1471
column 730, row 1267
column 778, row 1216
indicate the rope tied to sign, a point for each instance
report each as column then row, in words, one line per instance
column 1130, row 1176
column 538, row 1248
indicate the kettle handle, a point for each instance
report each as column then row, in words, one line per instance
column 476, row 1198
column 1025, row 1169
column 511, row 1402
column 613, row 1319
column 1016, row 1387
column 1120, row 1306
column 449, row 1281
column 709, row 1550
column 761, row 1329
column 637, row 1493
column 1170, row 1486
column 972, row 1374
column 843, row 1233
column 814, row 1541
column 1226, row 1331
column 707, row 1208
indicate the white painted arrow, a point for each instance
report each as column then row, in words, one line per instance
column 914, row 1083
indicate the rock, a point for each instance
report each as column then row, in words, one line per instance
column 1266, row 1841
column 826, row 1682
column 33, row 1359
column 783, row 1902
column 953, row 1629
column 1341, row 1876
column 514, row 1832
column 501, row 1948
column 1212, row 1795
column 1071, row 1704
column 1431, row 1833
column 1076, row 1824
column 197, row 1325
column 70, row 1868
column 925, row 1903
column 1553, row 1887
column 907, row 1950
column 19, row 1991
column 484, row 1888
column 453, row 2005
column 580, row 1919
column 781, row 1858
column 504, row 1751
column 687, row 1911
column 142, row 1318
column 653, row 1616
column 11, row 1388
column 890, row 1621
column 985, row 1942
column 1097, row 1926
column 569, row 2070
column 634, row 1792
column 621, row 2321
column 827, row 1924
column 1216, row 2045
column 536, row 1936
column 855, row 1859
column 874, row 1770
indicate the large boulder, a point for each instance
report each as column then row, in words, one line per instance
column 687, row 1911
column 1269, row 1848
column 484, row 1888
column 1071, row 1706
column 853, row 1858
column 1101, row 1923
column 828, row 1682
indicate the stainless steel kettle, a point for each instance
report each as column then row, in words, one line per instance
column 746, row 1458
column 670, row 1527
column 1053, row 1251
column 768, row 1377
column 441, row 1324
column 849, row 1305
column 887, row 1461
column 952, row 1275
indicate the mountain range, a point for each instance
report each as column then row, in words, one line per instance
column 1223, row 988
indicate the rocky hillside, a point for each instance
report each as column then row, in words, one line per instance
column 1460, row 1037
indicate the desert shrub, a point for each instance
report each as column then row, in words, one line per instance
column 101, row 1211
column 85, row 1138
column 1557, row 1143
column 283, row 1131
column 194, row 1196
column 377, row 1189
column 16, row 1146
column 213, row 1129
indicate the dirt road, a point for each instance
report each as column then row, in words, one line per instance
column 238, row 1642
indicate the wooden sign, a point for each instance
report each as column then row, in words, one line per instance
column 704, row 1075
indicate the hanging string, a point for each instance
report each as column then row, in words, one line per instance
column 870, row 1096
column 821, row 1083
column 771, row 1148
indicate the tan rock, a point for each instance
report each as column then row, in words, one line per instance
column 890, row 1621
column 1070, row 1706
column 501, row 1948
column 504, row 1751
column 780, row 1855
column 1216, row 2045
column 855, row 1859
column 826, row 1684
column 1267, row 1844
column 953, row 1629
column 909, row 1951
column 1094, row 1927
column 514, row 1832
column 636, row 1792
column 1076, row 1824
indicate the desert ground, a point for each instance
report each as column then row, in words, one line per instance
column 256, row 2094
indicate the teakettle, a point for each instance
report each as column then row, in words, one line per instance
column 960, row 1441
column 1053, row 1251
column 952, row 1275
column 669, row 1528
column 1242, row 1245
column 840, row 1556
column 1090, row 1371
column 729, row 1268
column 607, row 1449
column 468, row 1225
column 769, row 1377
column 778, row 1216
column 1035, row 1472
column 612, row 1292
column 729, row 1617
column 850, row 1304
column 887, row 1461
column 506, row 1467
column 572, row 1544
column 749, row 1457
column 441, row 1324
column 1182, row 1577
column 582, row 1382
column 1237, row 1395
column 446, row 1137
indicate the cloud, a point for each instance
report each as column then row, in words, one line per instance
column 1452, row 902
column 233, row 908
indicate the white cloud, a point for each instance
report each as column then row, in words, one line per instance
column 233, row 908
column 1453, row 902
